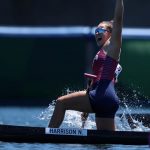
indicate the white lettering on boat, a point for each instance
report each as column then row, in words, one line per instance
column 66, row 131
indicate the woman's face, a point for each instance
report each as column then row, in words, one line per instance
column 102, row 34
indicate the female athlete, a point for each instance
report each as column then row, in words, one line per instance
column 100, row 98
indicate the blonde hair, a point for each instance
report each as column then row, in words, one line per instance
column 109, row 24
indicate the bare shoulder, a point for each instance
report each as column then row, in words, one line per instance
column 113, row 51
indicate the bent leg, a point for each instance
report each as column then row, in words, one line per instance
column 105, row 124
column 78, row 101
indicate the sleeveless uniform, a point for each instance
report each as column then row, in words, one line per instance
column 102, row 95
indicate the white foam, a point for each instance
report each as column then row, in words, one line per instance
column 72, row 119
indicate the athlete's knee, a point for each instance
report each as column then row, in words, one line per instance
column 60, row 103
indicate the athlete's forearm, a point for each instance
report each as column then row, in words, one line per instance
column 119, row 9
column 116, row 37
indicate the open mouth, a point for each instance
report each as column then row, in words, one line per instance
column 99, row 39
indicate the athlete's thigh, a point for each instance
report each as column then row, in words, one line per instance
column 76, row 101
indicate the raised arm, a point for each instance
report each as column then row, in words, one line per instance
column 114, row 48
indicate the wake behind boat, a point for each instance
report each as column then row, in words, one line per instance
column 29, row 134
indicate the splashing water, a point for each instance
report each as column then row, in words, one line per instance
column 47, row 113
column 128, row 123
column 73, row 118
column 133, row 96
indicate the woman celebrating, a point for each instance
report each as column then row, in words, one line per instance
column 100, row 98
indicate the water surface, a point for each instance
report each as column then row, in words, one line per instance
column 39, row 116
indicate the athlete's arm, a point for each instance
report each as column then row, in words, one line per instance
column 114, row 48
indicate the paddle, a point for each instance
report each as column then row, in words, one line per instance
column 84, row 117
